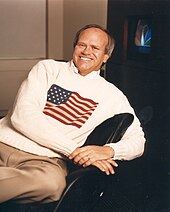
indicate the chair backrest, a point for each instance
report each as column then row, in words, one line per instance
column 111, row 130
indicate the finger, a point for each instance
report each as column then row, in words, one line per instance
column 90, row 161
column 108, row 165
column 76, row 152
column 99, row 166
column 83, row 158
column 109, row 168
column 112, row 162
column 105, row 167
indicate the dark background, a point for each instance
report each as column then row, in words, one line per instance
column 146, row 83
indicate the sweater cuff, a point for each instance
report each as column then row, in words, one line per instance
column 120, row 151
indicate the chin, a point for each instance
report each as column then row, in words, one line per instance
column 83, row 68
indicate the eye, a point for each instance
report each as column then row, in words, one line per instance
column 81, row 45
column 95, row 48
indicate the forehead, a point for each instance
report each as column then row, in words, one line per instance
column 94, row 35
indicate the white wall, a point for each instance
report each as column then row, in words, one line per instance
column 64, row 18
column 14, row 38
column 15, row 67
column 78, row 13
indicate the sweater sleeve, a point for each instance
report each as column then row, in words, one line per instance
column 132, row 143
column 27, row 115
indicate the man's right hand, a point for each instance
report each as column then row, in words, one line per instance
column 106, row 166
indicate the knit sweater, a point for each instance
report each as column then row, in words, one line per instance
column 56, row 109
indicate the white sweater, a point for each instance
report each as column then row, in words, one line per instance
column 61, row 121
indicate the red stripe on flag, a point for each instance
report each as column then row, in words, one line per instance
column 61, row 120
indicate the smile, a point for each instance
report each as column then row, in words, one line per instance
column 85, row 58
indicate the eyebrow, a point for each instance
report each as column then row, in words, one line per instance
column 93, row 45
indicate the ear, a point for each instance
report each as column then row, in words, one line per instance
column 106, row 57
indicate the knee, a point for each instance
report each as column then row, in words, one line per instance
column 55, row 187
column 51, row 189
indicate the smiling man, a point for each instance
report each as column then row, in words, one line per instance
column 57, row 106
column 90, row 51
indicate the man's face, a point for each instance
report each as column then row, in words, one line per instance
column 89, row 53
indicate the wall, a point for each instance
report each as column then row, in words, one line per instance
column 14, row 69
column 63, row 19
column 78, row 13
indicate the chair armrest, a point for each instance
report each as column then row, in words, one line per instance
column 83, row 172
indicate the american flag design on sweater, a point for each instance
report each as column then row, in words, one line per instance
column 68, row 107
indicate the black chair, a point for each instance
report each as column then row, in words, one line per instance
column 85, row 186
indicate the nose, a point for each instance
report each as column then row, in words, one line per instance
column 86, row 50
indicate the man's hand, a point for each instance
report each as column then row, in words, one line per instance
column 99, row 156
column 106, row 166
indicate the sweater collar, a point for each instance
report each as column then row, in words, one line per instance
column 92, row 75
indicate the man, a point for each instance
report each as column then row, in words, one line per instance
column 56, row 108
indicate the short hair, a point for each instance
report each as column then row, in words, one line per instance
column 111, row 41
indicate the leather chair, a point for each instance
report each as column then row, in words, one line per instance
column 85, row 186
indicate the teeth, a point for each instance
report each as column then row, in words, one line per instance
column 84, row 58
